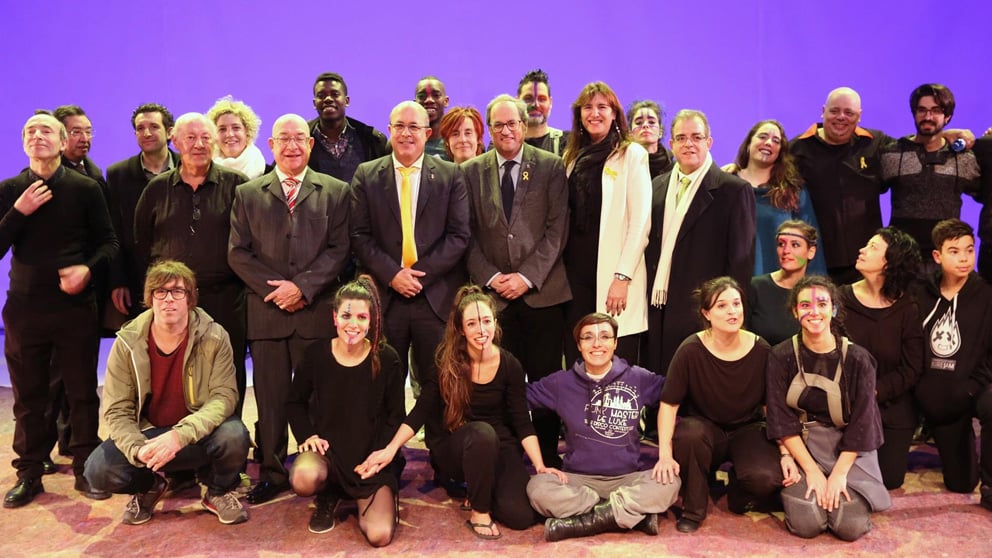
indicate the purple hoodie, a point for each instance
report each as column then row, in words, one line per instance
column 601, row 417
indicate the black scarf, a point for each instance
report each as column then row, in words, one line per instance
column 586, row 181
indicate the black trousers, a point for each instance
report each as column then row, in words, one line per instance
column 273, row 363
column 494, row 473
column 955, row 443
column 225, row 302
column 699, row 446
column 533, row 335
column 410, row 323
column 64, row 337
column 899, row 419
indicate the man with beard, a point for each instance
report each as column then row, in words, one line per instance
column 430, row 95
column 535, row 91
column 342, row 143
column 926, row 175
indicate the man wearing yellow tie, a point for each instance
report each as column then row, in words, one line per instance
column 410, row 230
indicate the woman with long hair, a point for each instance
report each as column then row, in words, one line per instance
column 609, row 195
column 764, row 161
column 461, row 129
column 883, row 317
column 346, row 399
column 768, row 315
column 821, row 409
column 237, row 127
column 479, row 401
column 716, row 382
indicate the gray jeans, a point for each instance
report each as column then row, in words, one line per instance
column 631, row 496
column 805, row 518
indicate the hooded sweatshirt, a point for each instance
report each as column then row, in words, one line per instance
column 600, row 417
column 958, row 361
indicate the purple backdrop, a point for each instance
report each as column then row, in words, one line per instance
column 737, row 61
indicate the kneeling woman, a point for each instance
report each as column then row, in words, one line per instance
column 717, row 378
column 821, row 407
column 355, row 382
column 479, row 399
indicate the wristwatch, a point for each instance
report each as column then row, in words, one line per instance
column 621, row 277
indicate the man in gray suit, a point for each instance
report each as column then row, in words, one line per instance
column 518, row 200
column 289, row 242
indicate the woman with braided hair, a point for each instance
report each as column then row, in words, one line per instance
column 345, row 401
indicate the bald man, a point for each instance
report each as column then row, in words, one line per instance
column 289, row 243
column 418, row 273
column 841, row 165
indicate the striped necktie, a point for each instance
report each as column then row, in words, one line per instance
column 294, row 189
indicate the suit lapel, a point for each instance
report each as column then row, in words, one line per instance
column 428, row 177
column 702, row 200
column 306, row 188
column 387, row 178
column 527, row 166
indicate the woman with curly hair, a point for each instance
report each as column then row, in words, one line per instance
column 479, row 399
column 461, row 129
column 346, row 399
column 237, row 128
column 764, row 161
column 883, row 318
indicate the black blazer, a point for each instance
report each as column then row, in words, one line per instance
column 716, row 239
column 441, row 228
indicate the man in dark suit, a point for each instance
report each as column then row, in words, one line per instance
column 289, row 243
column 79, row 142
column 126, row 180
column 702, row 226
column 418, row 272
column 518, row 200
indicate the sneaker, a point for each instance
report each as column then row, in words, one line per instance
column 322, row 519
column 226, row 507
column 139, row 509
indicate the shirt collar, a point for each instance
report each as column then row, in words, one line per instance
column 299, row 177
column 418, row 164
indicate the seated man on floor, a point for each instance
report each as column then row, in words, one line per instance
column 159, row 418
column 599, row 400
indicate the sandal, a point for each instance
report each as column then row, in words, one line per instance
column 465, row 505
column 491, row 526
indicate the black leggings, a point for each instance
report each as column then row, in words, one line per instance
column 494, row 473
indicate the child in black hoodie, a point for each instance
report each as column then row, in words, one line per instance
column 956, row 307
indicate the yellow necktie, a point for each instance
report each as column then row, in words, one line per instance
column 406, row 218
column 684, row 181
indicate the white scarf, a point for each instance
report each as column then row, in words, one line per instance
column 674, row 214
column 251, row 162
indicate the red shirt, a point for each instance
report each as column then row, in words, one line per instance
column 167, row 404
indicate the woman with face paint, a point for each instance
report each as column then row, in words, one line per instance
column 764, row 161
column 883, row 317
column 821, row 408
column 461, row 128
column 347, row 399
column 647, row 127
column 609, row 198
column 237, row 128
column 768, row 313
column 717, row 381
column 478, row 400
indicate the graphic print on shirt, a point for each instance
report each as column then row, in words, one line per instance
column 945, row 337
column 613, row 410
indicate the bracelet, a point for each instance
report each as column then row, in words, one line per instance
column 786, row 455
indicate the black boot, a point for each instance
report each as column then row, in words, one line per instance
column 648, row 525
column 598, row 520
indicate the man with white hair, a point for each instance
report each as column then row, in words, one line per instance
column 56, row 223
column 185, row 215
column 289, row 243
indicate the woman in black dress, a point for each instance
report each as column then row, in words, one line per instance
column 479, row 403
column 346, row 400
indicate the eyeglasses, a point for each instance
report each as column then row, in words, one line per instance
column 510, row 125
column 77, row 133
column 589, row 338
column 283, row 141
column 178, row 293
column 693, row 139
column 399, row 128
column 936, row 111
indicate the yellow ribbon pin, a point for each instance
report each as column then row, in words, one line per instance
column 610, row 172
column 526, row 175
column 864, row 165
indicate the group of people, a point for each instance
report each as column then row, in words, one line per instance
column 353, row 259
